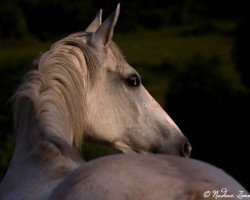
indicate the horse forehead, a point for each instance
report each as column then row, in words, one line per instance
column 111, row 59
column 116, row 62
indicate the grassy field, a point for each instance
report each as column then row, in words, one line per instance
column 154, row 47
column 156, row 54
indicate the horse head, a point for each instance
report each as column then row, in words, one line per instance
column 121, row 112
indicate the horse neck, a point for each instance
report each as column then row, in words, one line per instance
column 51, row 99
column 48, row 110
column 43, row 165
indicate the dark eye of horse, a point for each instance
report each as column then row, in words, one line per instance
column 133, row 80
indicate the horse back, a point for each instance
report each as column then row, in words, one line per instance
column 132, row 176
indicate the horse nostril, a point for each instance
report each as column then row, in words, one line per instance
column 186, row 149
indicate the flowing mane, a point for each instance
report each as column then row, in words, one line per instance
column 53, row 92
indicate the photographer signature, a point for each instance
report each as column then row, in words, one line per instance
column 224, row 193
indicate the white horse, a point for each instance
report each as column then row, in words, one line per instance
column 83, row 89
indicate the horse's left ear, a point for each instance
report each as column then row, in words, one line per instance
column 96, row 23
column 104, row 34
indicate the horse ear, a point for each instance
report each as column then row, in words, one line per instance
column 96, row 23
column 104, row 33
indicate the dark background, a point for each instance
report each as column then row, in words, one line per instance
column 206, row 106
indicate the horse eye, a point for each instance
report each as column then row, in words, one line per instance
column 133, row 80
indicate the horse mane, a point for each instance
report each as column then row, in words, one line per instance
column 52, row 94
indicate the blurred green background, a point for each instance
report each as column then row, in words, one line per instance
column 193, row 57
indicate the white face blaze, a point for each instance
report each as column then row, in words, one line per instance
column 121, row 112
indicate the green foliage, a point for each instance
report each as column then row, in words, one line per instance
column 53, row 17
column 12, row 21
column 48, row 18
column 91, row 151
